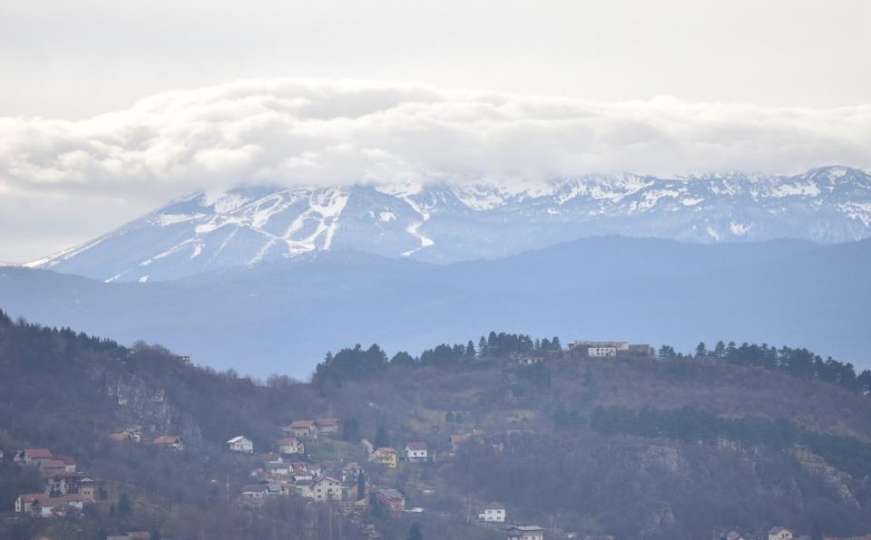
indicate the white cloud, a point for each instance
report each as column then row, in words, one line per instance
column 312, row 132
column 316, row 132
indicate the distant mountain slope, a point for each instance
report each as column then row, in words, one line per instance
column 453, row 222
column 282, row 317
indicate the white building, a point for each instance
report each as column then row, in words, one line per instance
column 242, row 444
column 494, row 513
column 416, row 452
column 779, row 533
column 525, row 532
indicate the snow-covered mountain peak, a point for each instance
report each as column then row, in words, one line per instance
column 446, row 222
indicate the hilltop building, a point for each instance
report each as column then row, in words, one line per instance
column 241, row 444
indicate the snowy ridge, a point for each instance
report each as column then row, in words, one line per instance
column 448, row 222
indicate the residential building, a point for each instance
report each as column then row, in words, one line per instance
column 33, row 456
column 326, row 488
column 241, row 444
column 391, row 499
column 46, row 506
column 173, row 442
column 779, row 533
column 254, row 494
column 416, row 451
column 492, row 513
column 327, row 425
column 609, row 349
column 385, row 456
column 68, row 462
column 138, row 535
column 51, row 467
column 302, row 428
column 290, row 445
column 525, row 532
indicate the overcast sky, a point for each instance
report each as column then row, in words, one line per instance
column 502, row 88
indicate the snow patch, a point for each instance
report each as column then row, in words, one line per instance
column 740, row 229
column 164, row 220
column 386, row 217
column 808, row 189
column 859, row 211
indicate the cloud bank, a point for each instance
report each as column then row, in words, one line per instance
column 327, row 132
column 315, row 132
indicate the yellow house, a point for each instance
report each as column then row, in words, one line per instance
column 385, row 456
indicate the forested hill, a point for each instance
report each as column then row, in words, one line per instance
column 732, row 436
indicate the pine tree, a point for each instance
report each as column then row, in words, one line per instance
column 414, row 532
column 361, row 485
column 382, row 439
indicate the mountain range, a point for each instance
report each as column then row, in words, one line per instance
column 281, row 317
column 450, row 222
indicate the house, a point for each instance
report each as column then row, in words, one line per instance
column 138, row 535
column 68, row 462
column 601, row 537
column 327, row 425
column 254, row 494
column 416, row 452
column 610, row 349
column 290, row 445
column 492, row 513
column 131, row 434
column 51, row 467
column 326, row 488
column 241, row 444
column 33, row 456
column 391, row 499
column 88, row 489
column 63, row 484
column 43, row 505
column 300, row 471
column 525, row 532
column 779, row 533
column 169, row 441
column 598, row 349
column 385, row 456
column 302, row 428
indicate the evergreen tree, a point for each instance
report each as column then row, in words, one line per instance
column 361, row 485
column 124, row 506
column 414, row 532
column 701, row 350
column 470, row 350
column 720, row 350
column 382, row 439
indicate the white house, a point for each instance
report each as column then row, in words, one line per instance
column 327, row 488
column 525, row 532
column 779, row 533
column 416, row 451
column 242, row 444
column 493, row 513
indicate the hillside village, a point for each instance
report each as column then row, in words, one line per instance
column 386, row 453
